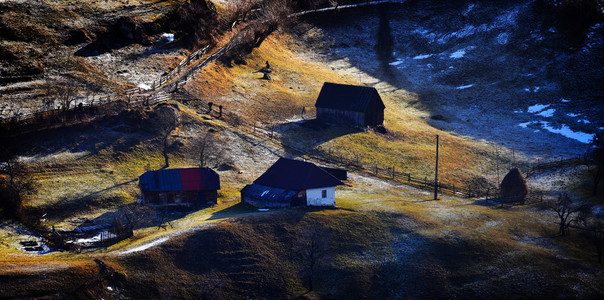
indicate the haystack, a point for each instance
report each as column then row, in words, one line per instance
column 514, row 187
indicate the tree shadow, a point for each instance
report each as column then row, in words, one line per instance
column 301, row 137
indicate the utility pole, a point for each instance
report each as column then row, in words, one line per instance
column 436, row 172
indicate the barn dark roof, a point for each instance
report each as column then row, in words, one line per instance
column 268, row 193
column 298, row 175
column 347, row 97
column 191, row 179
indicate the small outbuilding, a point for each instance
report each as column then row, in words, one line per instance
column 350, row 105
column 513, row 187
column 292, row 183
column 180, row 187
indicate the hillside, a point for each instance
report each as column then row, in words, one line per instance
column 385, row 239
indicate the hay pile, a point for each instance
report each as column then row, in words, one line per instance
column 514, row 187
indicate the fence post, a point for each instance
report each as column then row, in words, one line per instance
column 469, row 192
column 358, row 161
column 487, row 197
column 425, row 182
column 409, row 177
column 376, row 169
column 392, row 172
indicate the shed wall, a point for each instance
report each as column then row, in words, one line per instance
column 314, row 197
column 349, row 118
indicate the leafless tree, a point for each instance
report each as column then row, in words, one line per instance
column 168, row 119
column 15, row 184
column 567, row 212
column 66, row 92
column 210, row 149
column 595, row 161
column 313, row 249
column 238, row 11
column 132, row 216
column 592, row 226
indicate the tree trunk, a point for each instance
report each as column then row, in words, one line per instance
column 166, row 157
column 597, row 178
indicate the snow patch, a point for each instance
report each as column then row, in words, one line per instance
column 547, row 113
column 537, row 108
column 396, row 63
column 145, row 87
column 573, row 115
column 458, row 54
column 564, row 130
column 525, row 125
column 564, row 100
column 584, row 121
column 169, row 37
column 423, row 56
column 463, row 87
column 146, row 246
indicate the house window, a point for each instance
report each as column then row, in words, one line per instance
column 324, row 193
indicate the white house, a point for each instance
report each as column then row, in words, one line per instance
column 291, row 183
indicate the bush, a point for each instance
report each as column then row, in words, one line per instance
column 576, row 16
column 195, row 20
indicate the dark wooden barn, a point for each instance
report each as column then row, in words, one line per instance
column 350, row 105
column 180, row 187
column 290, row 183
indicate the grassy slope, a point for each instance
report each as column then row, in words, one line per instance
column 384, row 241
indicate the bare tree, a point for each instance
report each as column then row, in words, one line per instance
column 66, row 92
column 567, row 212
column 210, row 149
column 313, row 249
column 132, row 216
column 595, row 162
column 15, row 185
column 592, row 226
column 168, row 119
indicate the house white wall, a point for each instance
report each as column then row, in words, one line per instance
column 314, row 197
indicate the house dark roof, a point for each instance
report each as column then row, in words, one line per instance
column 271, row 194
column 297, row 175
column 347, row 97
column 191, row 179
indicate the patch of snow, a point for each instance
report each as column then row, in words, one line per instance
column 145, row 87
column 458, row 54
column 146, row 246
column 525, row 125
column 168, row 36
column 263, row 209
column 109, row 288
column 584, row 121
column 547, row 113
column 518, row 111
column 463, row 87
column 423, row 56
column 532, row 90
column 264, row 193
column 564, row 130
column 572, row 115
column 537, row 108
column 396, row 63
column 564, row 100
